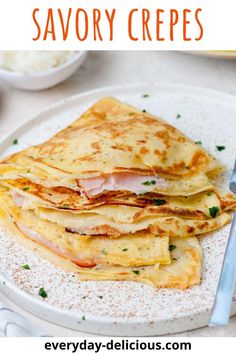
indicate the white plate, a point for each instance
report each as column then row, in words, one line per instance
column 126, row 308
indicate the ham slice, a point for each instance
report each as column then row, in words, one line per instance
column 121, row 181
column 18, row 199
column 36, row 237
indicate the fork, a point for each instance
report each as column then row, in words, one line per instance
column 223, row 300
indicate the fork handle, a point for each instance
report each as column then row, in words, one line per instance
column 223, row 300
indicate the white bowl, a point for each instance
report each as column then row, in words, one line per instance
column 44, row 79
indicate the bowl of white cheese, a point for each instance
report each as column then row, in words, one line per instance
column 38, row 70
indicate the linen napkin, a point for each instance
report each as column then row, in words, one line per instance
column 13, row 324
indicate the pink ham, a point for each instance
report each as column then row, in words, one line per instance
column 36, row 237
column 18, row 199
column 121, row 181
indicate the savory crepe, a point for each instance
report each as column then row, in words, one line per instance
column 115, row 147
column 144, row 257
column 197, row 205
column 183, row 272
column 184, row 259
column 170, row 216
column 99, row 224
column 138, row 250
column 118, row 195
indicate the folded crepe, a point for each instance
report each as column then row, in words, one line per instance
column 141, row 257
column 183, row 272
column 119, row 194
column 138, row 250
column 115, row 147
column 170, row 216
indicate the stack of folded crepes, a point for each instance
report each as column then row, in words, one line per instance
column 120, row 194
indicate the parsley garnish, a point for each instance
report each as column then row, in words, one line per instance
column 178, row 116
column 198, row 142
column 214, row 211
column 15, row 142
column 104, row 252
column 172, row 247
column 83, row 318
column 144, row 111
column 135, row 271
column 209, row 194
column 100, row 296
column 42, row 293
column 175, row 259
column 25, row 266
column 220, row 147
column 145, row 95
column 149, row 183
column 125, row 249
column 25, row 189
column 65, row 206
column 159, row 201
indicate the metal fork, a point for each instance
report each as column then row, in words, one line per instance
column 223, row 300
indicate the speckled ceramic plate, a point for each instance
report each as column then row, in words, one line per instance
column 124, row 308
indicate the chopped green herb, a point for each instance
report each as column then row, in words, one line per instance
column 25, row 189
column 65, row 206
column 131, row 113
column 175, row 259
column 104, row 252
column 209, row 194
column 178, row 116
column 83, row 318
column 15, row 142
column 220, row 147
column 198, row 142
column 135, row 271
column 42, row 293
column 172, row 247
column 145, row 95
column 25, row 266
column 144, row 111
column 159, row 201
column 28, row 171
column 149, row 183
column 125, row 249
column 142, row 193
column 100, row 296
column 214, row 211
